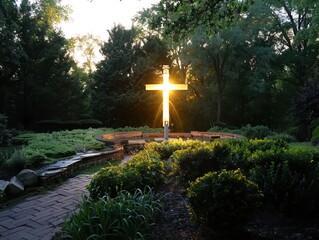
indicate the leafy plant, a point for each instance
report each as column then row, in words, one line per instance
column 223, row 201
column 144, row 169
column 5, row 133
column 111, row 180
column 127, row 216
column 315, row 136
column 17, row 161
column 149, row 166
column 191, row 163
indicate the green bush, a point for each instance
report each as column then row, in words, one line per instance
column 111, row 180
column 256, row 132
column 284, row 137
column 167, row 148
column 149, row 166
column 289, row 179
column 191, row 163
column 315, row 136
column 127, row 216
column 144, row 169
column 17, row 161
column 223, row 202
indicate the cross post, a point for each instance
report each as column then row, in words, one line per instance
column 166, row 86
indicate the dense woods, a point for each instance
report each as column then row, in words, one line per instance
column 246, row 62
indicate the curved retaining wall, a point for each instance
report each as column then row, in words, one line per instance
column 66, row 168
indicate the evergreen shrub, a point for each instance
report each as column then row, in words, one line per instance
column 144, row 169
column 149, row 166
column 223, row 202
column 17, row 161
column 289, row 179
column 111, row 180
column 191, row 163
column 167, row 148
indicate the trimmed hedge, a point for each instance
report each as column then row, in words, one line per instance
column 223, row 202
column 145, row 169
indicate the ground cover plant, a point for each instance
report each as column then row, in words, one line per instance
column 46, row 148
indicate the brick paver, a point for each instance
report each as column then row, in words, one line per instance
column 41, row 216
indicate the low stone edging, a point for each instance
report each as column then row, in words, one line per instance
column 59, row 170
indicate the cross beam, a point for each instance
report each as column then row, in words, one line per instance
column 166, row 86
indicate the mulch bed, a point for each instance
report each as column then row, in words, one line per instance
column 268, row 225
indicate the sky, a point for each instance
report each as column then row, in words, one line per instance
column 98, row 16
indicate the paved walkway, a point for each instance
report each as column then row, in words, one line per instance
column 41, row 216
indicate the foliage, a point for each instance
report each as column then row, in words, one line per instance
column 251, row 132
column 149, row 166
column 167, row 148
column 127, row 216
column 305, row 107
column 315, row 136
column 48, row 147
column 118, row 83
column 17, row 161
column 111, row 180
column 37, row 82
column 5, row 133
column 144, row 129
column 194, row 162
column 145, row 169
column 289, row 179
column 223, row 201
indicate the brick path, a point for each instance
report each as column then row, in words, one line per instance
column 40, row 216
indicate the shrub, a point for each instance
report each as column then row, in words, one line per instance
column 150, row 168
column 289, row 179
column 315, row 136
column 111, row 180
column 256, row 132
column 220, row 202
column 144, row 169
column 5, row 133
column 17, row 161
column 127, row 216
column 284, row 137
column 167, row 148
column 191, row 163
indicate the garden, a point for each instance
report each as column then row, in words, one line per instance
column 263, row 187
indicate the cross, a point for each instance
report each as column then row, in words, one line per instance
column 166, row 86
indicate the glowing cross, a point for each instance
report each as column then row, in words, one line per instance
column 166, row 87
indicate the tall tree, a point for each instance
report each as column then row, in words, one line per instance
column 46, row 88
column 112, row 83
column 10, row 54
column 295, row 25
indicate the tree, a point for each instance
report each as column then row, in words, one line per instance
column 295, row 26
column 10, row 53
column 118, row 90
column 45, row 87
column 112, row 83
column 306, row 108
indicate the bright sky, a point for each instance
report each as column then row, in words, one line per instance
column 98, row 16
